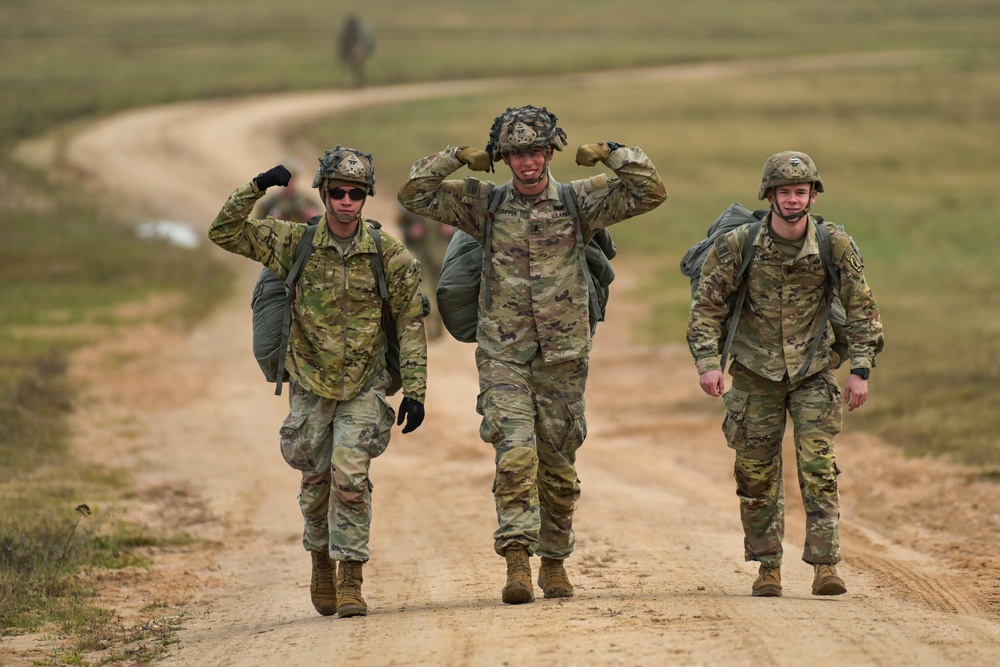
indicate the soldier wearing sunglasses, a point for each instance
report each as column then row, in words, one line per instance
column 339, row 418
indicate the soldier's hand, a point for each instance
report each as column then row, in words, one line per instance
column 474, row 158
column 413, row 412
column 855, row 392
column 273, row 176
column 712, row 383
column 588, row 155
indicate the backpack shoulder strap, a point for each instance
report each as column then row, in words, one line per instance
column 497, row 194
column 303, row 250
column 833, row 286
column 749, row 250
column 378, row 265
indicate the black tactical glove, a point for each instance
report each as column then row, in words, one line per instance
column 273, row 176
column 413, row 412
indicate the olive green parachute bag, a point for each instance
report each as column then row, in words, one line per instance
column 272, row 312
column 465, row 263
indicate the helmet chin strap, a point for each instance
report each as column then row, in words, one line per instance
column 342, row 219
column 534, row 181
column 793, row 219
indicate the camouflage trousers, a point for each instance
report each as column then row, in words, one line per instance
column 754, row 426
column 533, row 415
column 332, row 443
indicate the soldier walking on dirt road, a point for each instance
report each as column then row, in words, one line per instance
column 534, row 335
column 339, row 419
column 777, row 369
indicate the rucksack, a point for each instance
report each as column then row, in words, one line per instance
column 465, row 263
column 272, row 312
column 736, row 216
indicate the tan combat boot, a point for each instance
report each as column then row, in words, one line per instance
column 826, row 581
column 322, row 590
column 552, row 579
column 518, row 589
column 768, row 584
column 349, row 579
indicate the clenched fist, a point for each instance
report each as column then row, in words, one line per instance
column 588, row 155
column 273, row 176
column 476, row 159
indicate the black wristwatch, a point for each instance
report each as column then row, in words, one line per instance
column 862, row 373
column 613, row 146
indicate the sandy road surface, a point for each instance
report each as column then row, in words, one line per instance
column 659, row 569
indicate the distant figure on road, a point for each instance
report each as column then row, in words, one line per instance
column 289, row 203
column 783, row 363
column 427, row 240
column 355, row 45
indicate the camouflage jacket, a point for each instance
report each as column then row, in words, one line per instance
column 784, row 304
column 538, row 291
column 336, row 339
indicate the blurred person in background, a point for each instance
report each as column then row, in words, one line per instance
column 289, row 203
column 355, row 45
column 427, row 240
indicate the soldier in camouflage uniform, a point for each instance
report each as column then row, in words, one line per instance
column 289, row 203
column 533, row 335
column 772, row 372
column 339, row 419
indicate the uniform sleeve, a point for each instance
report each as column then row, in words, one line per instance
column 269, row 241
column 864, row 324
column 406, row 304
column 709, row 308
column 635, row 189
column 427, row 193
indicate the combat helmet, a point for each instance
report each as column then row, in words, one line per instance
column 522, row 127
column 348, row 165
column 788, row 168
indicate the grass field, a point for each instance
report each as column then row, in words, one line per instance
column 904, row 149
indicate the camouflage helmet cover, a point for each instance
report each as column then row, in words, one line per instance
column 523, row 127
column 346, row 164
column 788, row 168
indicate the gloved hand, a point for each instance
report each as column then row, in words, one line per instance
column 273, row 176
column 588, row 155
column 413, row 412
column 476, row 159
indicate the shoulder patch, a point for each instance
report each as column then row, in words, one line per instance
column 599, row 182
column 855, row 260
column 722, row 248
column 471, row 186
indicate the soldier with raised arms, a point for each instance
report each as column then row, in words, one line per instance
column 534, row 337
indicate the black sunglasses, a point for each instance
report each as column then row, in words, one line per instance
column 354, row 193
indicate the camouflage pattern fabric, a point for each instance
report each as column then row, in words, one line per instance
column 336, row 337
column 533, row 414
column 538, row 291
column 333, row 443
column 784, row 306
column 754, row 425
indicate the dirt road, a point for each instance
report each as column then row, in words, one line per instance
column 659, row 570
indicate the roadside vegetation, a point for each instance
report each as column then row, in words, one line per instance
column 904, row 145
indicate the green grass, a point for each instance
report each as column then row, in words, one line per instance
column 905, row 152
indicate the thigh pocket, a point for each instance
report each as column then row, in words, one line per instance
column 385, row 418
column 576, row 431
column 489, row 429
column 296, row 448
column 734, row 423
